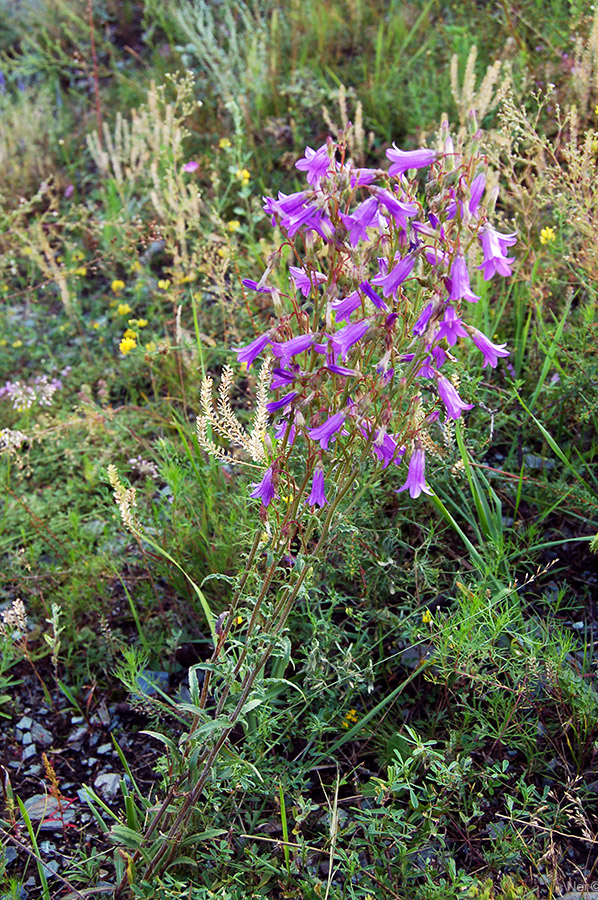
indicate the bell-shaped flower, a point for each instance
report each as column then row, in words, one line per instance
column 346, row 337
column 460, row 289
column 390, row 283
column 316, row 163
column 305, row 281
column 494, row 246
column 490, row 351
column 248, row 353
column 416, row 475
column 264, row 489
column 326, row 432
column 451, row 399
column 403, row 160
column 317, row 496
column 345, row 307
column 359, row 220
column 451, row 327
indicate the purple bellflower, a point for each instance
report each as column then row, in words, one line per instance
column 403, row 160
column 451, row 399
column 359, row 220
column 305, row 281
column 478, row 186
column 390, row 283
column 317, row 496
column 424, row 317
column 287, row 349
column 398, row 210
column 248, row 353
column 494, row 245
column 451, row 327
column 255, row 286
column 460, row 289
column 344, row 308
column 346, row 337
column 283, row 378
column 264, row 489
column 281, row 429
column 280, row 404
column 490, row 351
column 369, row 291
column 384, row 446
column 316, row 163
column 326, row 432
column 416, row 477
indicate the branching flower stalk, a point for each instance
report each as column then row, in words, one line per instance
column 369, row 291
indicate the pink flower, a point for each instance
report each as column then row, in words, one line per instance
column 191, row 166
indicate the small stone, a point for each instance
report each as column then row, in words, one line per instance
column 9, row 854
column 51, row 814
column 91, row 761
column 77, row 735
column 103, row 749
column 77, row 720
column 47, row 847
column 34, row 770
column 51, row 868
column 27, row 739
column 25, row 723
column 29, row 752
column 41, row 735
column 108, row 783
column 149, row 681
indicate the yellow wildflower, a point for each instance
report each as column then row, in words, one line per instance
column 426, row 617
column 243, row 175
column 3, row 342
column 150, row 346
column 238, row 620
column 233, row 225
column 222, row 252
column 186, row 278
column 27, row 251
column 17, row 343
column 136, row 266
column 596, row 111
column 95, row 325
column 141, row 323
column 123, row 309
column 126, row 345
column 117, row 286
column 82, row 271
column 224, row 143
column 351, row 718
column 164, row 284
column 129, row 333
column 547, row 236
column 78, row 256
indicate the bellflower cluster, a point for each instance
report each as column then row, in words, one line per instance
column 370, row 311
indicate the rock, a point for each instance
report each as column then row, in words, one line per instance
column 27, row 739
column 104, row 749
column 41, row 735
column 29, row 752
column 107, row 783
column 51, row 814
column 51, row 868
column 149, row 681
column 25, row 723
column 77, row 720
column 8, row 855
column 77, row 735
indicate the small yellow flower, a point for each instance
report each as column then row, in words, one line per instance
column 224, row 143
column 426, row 617
column 238, row 620
column 141, row 323
column 129, row 333
column 547, row 235
column 126, row 345
column 222, row 252
column 17, row 343
column 3, row 342
column 136, row 266
column 82, row 271
column 95, row 325
column 164, row 284
column 233, row 225
column 78, row 256
column 596, row 111
column 150, row 346
column 243, row 175
column 27, row 251
column 117, row 286
column 185, row 279
column 123, row 309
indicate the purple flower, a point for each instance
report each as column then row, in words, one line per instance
column 384, row 446
column 490, row 351
column 344, row 308
column 282, row 377
column 69, row 191
column 191, row 166
column 494, row 245
column 264, row 489
column 315, row 163
column 346, row 337
column 477, row 189
column 416, row 479
column 248, row 353
column 359, row 220
column 451, row 327
column 325, row 432
column 281, row 430
column 398, row 210
column 402, row 160
column 317, row 496
column 390, row 283
column 451, row 399
column 460, row 289
column 286, row 349
column 254, row 286
column 304, row 281
column 362, row 176
column 340, row 370
column 424, row 317
column 369, row 291
column 280, row 404
column 436, row 257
